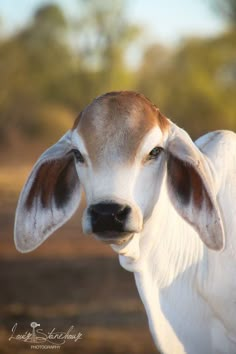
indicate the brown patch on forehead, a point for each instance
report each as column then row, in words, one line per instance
column 118, row 121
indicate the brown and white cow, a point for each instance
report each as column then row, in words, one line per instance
column 164, row 203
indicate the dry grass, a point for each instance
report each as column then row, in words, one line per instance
column 94, row 295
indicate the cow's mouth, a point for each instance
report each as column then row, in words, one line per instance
column 115, row 238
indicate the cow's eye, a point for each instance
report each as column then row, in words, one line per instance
column 154, row 153
column 78, row 156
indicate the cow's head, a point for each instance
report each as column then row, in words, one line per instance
column 119, row 151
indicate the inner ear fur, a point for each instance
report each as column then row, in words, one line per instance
column 55, row 180
column 187, row 184
column 49, row 198
column 192, row 190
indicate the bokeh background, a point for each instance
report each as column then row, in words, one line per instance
column 55, row 57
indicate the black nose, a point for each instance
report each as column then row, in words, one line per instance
column 108, row 217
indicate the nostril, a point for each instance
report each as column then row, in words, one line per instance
column 94, row 214
column 122, row 214
column 108, row 216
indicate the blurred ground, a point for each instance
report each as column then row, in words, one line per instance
column 70, row 280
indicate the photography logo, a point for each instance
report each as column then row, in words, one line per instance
column 40, row 339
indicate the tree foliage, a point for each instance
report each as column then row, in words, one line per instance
column 196, row 85
column 225, row 9
column 55, row 66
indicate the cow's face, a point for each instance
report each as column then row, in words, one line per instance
column 120, row 151
column 118, row 143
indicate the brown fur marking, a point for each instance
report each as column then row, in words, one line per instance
column 118, row 121
column 187, row 183
column 45, row 185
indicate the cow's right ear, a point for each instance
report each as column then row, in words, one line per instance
column 49, row 198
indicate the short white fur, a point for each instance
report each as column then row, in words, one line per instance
column 183, row 258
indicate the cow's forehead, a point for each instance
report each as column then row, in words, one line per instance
column 117, row 123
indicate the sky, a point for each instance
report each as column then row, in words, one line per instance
column 165, row 21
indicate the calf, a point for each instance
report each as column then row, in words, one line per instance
column 165, row 204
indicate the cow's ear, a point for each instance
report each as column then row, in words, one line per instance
column 192, row 188
column 49, row 198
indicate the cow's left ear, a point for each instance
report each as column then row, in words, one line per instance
column 49, row 198
column 192, row 188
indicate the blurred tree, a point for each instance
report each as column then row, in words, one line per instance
column 157, row 61
column 40, row 66
column 48, row 65
column 225, row 9
column 33, row 62
column 50, row 18
column 104, row 34
column 48, row 53
column 196, row 86
column 1, row 25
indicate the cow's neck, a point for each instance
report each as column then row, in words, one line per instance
column 169, row 246
column 168, row 275
column 176, row 249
